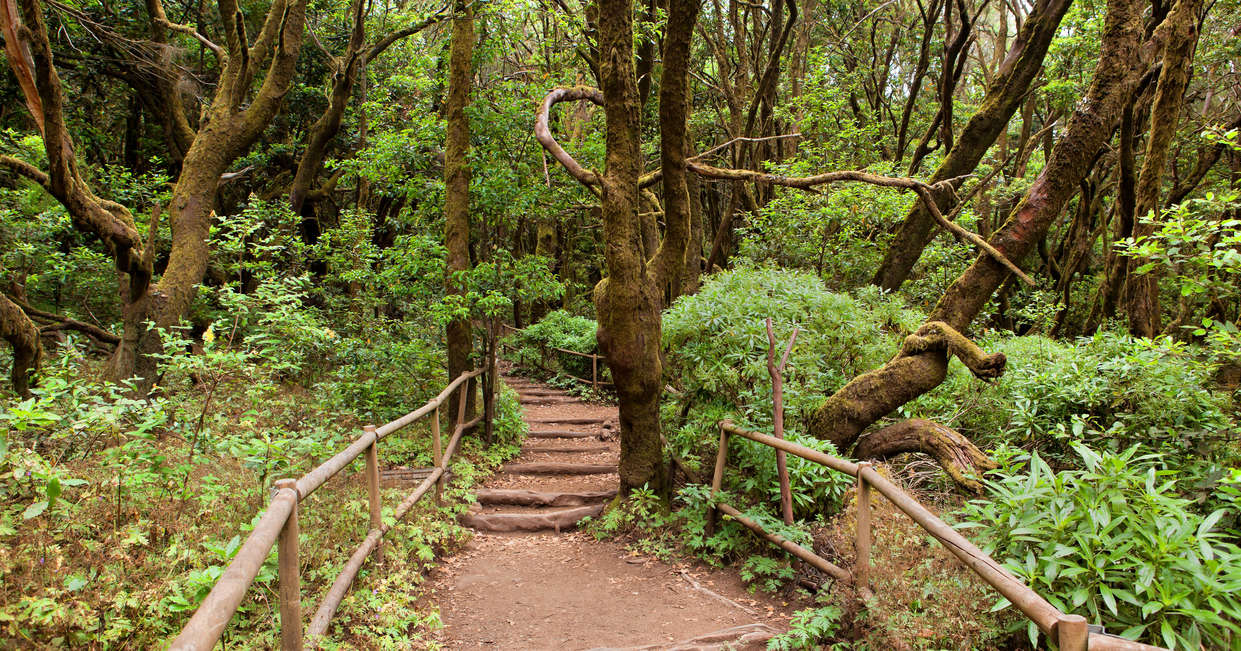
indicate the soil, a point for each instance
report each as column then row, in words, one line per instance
column 550, row 590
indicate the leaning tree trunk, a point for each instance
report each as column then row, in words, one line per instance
column 23, row 335
column 457, row 189
column 1006, row 93
column 922, row 362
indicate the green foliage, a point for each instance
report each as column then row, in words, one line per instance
column 558, row 329
column 1116, row 542
column 717, row 351
column 1110, row 391
column 808, row 628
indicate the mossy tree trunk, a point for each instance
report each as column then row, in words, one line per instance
column 23, row 335
column 1177, row 37
column 237, row 116
column 922, row 363
column 629, row 301
column 457, row 188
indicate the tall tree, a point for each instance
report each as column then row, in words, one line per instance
column 1176, row 37
column 457, row 184
column 243, row 105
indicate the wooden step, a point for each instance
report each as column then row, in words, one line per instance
column 508, row 522
column 534, row 449
column 559, row 434
column 574, row 420
column 555, row 468
column 548, row 400
column 517, row 497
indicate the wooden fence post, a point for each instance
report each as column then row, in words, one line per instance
column 290, row 580
column 594, row 373
column 1072, row 633
column 861, row 542
column 372, row 488
column 437, row 452
column 717, row 479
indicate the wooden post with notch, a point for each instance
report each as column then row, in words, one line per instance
column 717, row 479
column 290, row 579
column 372, row 488
column 862, row 540
column 437, row 451
column 1072, row 633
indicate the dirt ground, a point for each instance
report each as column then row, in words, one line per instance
column 569, row 591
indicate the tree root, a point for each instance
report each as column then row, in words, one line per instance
column 958, row 456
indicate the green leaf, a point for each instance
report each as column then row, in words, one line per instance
column 35, row 510
column 75, row 582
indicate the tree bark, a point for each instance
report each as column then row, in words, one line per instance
column 457, row 190
column 22, row 334
column 1178, row 35
column 1005, row 94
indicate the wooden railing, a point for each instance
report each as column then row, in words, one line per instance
column 595, row 360
column 1070, row 632
column 279, row 527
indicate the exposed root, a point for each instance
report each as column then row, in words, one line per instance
column 958, row 456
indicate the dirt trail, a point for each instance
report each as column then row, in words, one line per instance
column 526, row 582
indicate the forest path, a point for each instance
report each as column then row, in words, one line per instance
column 524, row 582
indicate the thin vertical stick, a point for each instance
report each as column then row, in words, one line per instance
column 594, row 373
column 437, row 452
column 372, row 489
column 1072, row 633
column 777, row 399
column 489, row 388
column 861, row 543
column 717, row 479
column 290, row 579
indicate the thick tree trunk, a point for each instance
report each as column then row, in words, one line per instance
column 1179, row 34
column 923, row 360
column 23, row 335
column 627, row 302
column 1005, row 95
column 233, row 122
column 457, row 189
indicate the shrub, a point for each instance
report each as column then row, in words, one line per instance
column 1115, row 542
column 558, row 329
column 1110, row 391
column 717, row 350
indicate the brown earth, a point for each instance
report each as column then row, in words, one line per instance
column 566, row 590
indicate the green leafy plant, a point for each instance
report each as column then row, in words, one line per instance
column 1114, row 542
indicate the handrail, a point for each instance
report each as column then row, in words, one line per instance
column 279, row 523
column 594, row 358
column 1070, row 630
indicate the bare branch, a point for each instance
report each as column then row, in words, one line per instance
column 543, row 133
column 809, row 182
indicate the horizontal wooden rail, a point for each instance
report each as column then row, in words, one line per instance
column 279, row 523
column 1070, row 631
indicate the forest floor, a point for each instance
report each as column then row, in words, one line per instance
column 526, row 582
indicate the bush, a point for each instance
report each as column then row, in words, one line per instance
column 558, row 329
column 717, row 349
column 1114, row 541
column 1110, row 391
